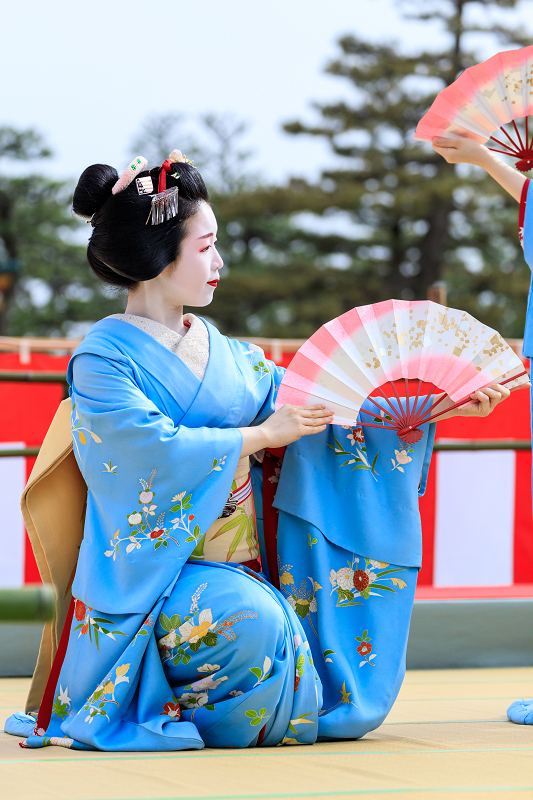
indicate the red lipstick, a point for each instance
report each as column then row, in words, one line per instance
column 213, row 283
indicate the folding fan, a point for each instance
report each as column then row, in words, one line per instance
column 483, row 99
column 420, row 350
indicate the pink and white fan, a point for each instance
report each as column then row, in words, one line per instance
column 482, row 100
column 380, row 352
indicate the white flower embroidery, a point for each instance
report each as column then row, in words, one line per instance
column 235, row 693
column 208, row 668
column 135, row 518
column 192, row 633
column 192, row 699
column 402, row 457
column 207, row 682
column 63, row 695
column 377, row 564
column 169, row 641
column 345, row 578
column 145, row 497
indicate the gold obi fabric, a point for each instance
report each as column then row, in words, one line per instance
column 233, row 537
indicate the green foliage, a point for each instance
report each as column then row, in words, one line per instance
column 404, row 219
column 416, row 220
column 51, row 286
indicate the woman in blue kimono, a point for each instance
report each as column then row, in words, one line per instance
column 176, row 638
column 468, row 151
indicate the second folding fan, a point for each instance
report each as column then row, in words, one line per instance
column 482, row 99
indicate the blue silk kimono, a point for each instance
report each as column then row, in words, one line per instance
column 167, row 651
column 521, row 711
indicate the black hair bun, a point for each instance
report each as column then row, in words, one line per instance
column 93, row 189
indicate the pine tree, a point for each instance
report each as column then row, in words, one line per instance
column 416, row 219
column 46, row 286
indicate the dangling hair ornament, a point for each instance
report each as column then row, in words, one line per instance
column 165, row 202
column 134, row 168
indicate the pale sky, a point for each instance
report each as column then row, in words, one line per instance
column 88, row 74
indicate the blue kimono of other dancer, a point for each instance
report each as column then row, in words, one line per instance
column 168, row 651
column 521, row 711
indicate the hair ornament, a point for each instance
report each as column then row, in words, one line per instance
column 134, row 168
column 165, row 203
column 164, row 206
column 177, row 155
column 145, row 185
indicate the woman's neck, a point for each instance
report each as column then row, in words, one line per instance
column 152, row 306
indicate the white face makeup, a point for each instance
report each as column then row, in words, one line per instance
column 194, row 276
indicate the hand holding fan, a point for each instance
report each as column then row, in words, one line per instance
column 417, row 349
column 482, row 100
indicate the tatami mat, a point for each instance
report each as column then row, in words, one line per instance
column 447, row 736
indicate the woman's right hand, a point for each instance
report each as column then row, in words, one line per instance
column 292, row 422
column 461, row 151
column 285, row 426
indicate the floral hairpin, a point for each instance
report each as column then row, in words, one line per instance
column 134, row 168
column 165, row 203
column 177, row 155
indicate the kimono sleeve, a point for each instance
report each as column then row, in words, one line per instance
column 525, row 234
column 263, row 378
column 427, row 459
column 154, row 486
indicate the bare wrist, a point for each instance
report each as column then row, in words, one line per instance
column 485, row 159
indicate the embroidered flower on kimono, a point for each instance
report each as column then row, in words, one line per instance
column 377, row 564
column 207, row 682
column 208, row 668
column 275, row 477
column 192, row 633
column 235, row 693
column 313, row 605
column 63, row 695
column 360, row 580
column 357, row 436
column 286, row 578
column 402, row 457
column 364, row 648
column 178, row 497
column 171, row 710
column 345, row 578
column 135, row 518
column 291, row 601
column 168, row 641
column 193, row 700
column 157, row 533
column 80, row 610
column 85, row 628
column 145, row 497
column 297, row 640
